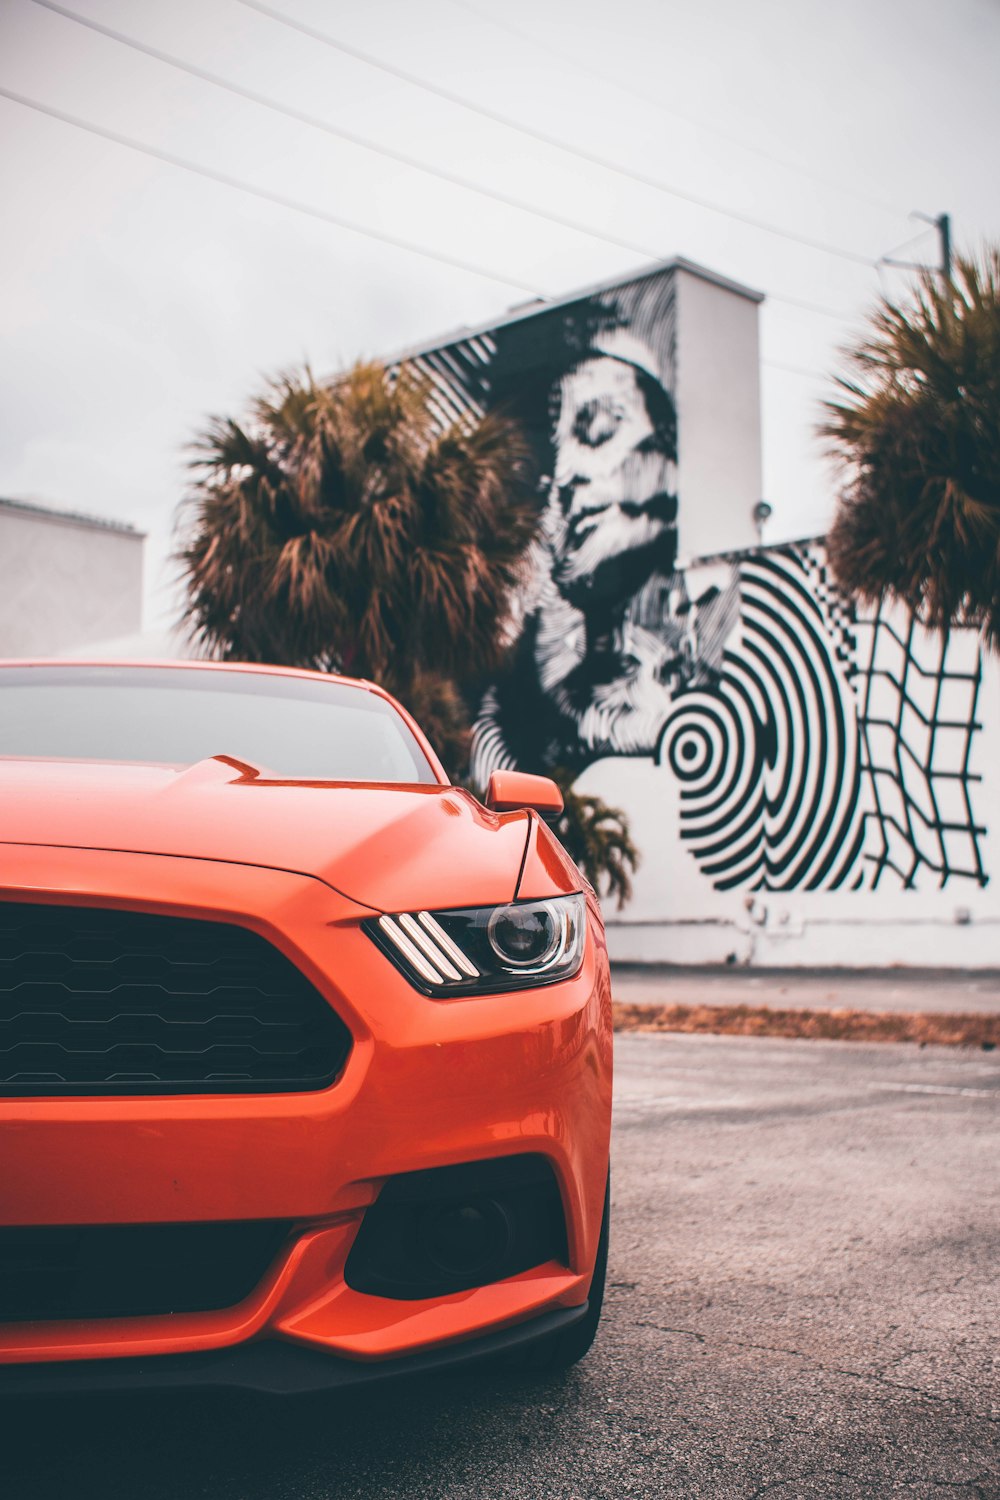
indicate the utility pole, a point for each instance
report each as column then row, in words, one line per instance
column 944, row 230
column 940, row 222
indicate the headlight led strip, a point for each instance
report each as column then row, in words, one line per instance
column 425, row 945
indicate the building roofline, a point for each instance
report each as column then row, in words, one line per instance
column 538, row 305
column 715, row 278
column 72, row 518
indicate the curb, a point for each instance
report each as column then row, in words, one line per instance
column 921, row 1027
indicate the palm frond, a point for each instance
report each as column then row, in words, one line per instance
column 916, row 425
column 341, row 524
column 597, row 839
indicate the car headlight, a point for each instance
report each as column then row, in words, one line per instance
column 481, row 949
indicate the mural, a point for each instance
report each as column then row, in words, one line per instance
column 813, row 748
column 918, row 716
column 767, row 756
column 590, row 383
column 830, row 751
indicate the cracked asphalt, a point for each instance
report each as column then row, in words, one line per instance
column 803, row 1302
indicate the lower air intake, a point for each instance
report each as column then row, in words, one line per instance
column 132, row 1270
column 449, row 1229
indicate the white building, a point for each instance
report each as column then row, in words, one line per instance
column 807, row 782
column 66, row 580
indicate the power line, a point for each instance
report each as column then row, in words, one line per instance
column 905, row 245
column 308, row 209
column 777, row 364
column 277, row 198
column 667, row 109
column 316, row 123
column 593, row 158
column 940, row 222
column 806, row 306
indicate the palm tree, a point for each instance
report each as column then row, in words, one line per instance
column 918, row 426
column 596, row 837
column 342, row 528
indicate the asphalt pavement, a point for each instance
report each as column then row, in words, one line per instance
column 803, row 1302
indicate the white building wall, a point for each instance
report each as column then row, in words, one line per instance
column 65, row 582
column 922, row 889
column 717, row 394
column 807, row 783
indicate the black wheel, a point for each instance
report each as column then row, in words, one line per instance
column 560, row 1350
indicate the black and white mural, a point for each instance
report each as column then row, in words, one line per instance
column 813, row 747
column 830, row 749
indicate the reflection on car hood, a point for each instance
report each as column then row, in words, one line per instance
column 388, row 847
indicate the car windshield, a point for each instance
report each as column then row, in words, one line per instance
column 294, row 727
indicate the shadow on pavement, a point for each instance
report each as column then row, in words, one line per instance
column 402, row 1439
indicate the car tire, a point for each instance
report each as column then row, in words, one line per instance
column 561, row 1350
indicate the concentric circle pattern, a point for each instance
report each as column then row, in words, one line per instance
column 768, row 760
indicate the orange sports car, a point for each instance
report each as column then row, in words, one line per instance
column 305, row 1054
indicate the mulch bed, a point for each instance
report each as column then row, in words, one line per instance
column 970, row 1030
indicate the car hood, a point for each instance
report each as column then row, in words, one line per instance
column 387, row 847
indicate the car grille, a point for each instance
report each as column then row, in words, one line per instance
column 132, row 1270
column 113, row 1002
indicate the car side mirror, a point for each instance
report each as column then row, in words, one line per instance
column 510, row 790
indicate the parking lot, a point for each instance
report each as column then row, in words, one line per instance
column 803, row 1302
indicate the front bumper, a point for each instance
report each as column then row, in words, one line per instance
column 271, row 1367
column 427, row 1084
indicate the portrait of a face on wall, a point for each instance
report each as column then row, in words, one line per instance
column 612, row 504
column 605, row 630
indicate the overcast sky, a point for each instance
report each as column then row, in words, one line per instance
column 137, row 298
